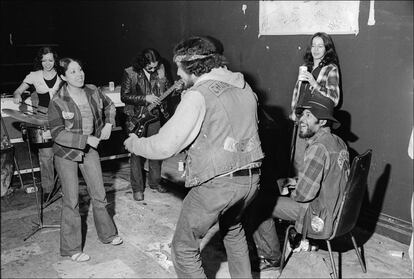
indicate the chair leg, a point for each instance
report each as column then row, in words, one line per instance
column 328, row 243
column 282, row 261
column 364, row 268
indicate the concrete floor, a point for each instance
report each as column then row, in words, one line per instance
column 147, row 228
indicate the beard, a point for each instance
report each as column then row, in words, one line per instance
column 307, row 133
column 187, row 83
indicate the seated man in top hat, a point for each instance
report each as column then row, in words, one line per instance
column 316, row 193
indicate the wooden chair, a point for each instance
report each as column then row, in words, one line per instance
column 349, row 209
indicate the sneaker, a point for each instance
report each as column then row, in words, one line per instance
column 306, row 246
column 80, row 257
column 117, row 240
column 267, row 264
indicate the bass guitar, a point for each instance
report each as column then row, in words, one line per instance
column 149, row 117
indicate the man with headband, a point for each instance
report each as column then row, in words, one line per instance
column 217, row 120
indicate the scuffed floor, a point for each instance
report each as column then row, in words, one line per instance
column 147, row 228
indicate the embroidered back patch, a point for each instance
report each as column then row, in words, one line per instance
column 244, row 145
column 219, row 87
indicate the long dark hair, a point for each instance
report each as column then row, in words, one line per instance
column 147, row 56
column 37, row 65
column 330, row 56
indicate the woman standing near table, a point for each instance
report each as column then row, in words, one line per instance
column 80, row 116
column 46, row 82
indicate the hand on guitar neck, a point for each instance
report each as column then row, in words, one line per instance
column 178, row 85
column 152, row 99
column 146, row 118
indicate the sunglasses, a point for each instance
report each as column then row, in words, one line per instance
column 152, row 68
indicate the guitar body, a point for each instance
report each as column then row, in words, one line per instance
column 143, row 123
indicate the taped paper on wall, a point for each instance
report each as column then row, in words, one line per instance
column 371, row 17
column 308, row 17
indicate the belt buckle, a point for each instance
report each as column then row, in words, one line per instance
column 252, row 170
column 240, row 171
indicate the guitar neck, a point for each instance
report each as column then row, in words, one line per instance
column 164, row 95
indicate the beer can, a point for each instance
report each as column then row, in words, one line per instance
column 111, row 86
column 303, row 69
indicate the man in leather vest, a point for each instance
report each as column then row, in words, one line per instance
column 316, row 193
column 142, row 84
column 217, row 120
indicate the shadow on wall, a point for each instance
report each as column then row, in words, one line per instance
column 275, row 132
column 345, row 133
column 372, row 208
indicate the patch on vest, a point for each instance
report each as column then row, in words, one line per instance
column 218, row 87
column 343, row 158
column 317, row 224
column 244, row 145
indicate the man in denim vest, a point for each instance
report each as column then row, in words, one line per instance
column 316, row 193
column 217, row 120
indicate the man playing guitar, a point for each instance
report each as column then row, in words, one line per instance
column 142, row 85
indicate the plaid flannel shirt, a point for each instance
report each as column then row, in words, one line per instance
column 65, row 121
column 309, row 181
column 328, row 80
column 320, row 170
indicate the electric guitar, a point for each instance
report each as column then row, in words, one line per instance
column 147, row 118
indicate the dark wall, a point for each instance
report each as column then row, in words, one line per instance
column 376, row 66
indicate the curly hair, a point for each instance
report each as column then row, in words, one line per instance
column 37, row 65
column 199, row 55
column 330, row 56
column 147, row 56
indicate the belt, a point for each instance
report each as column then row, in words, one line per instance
column 245, row 172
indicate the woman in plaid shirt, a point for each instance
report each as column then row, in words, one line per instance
column 321, row 78
column 80, row 116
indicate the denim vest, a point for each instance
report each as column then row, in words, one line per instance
column 228, row 137
column 335, row 177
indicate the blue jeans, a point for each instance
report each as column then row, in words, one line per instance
column 265, row 237
column 221, row 199
column 70, row 224
column 47, row 171
column 137, row 164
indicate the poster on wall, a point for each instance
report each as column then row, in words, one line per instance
column 308, row 17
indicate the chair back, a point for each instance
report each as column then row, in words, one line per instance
column 353, row 195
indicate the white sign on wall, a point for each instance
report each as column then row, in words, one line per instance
column 308, row 17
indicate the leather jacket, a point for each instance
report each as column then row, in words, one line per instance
column 134, row 88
